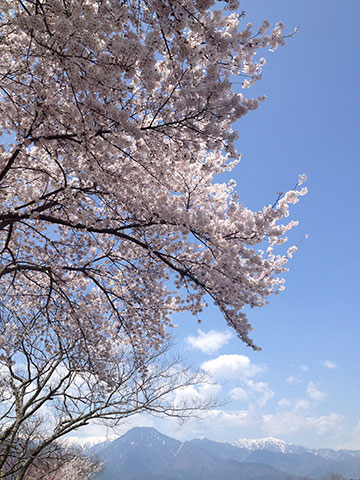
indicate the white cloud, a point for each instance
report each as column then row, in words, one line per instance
column 304, row 368
column 203, row 393
column 284, row 402
column 232, row 367
column 352, row 441
column 282, row 423
column 186, row 395
column 314, row 393
column 239, row 393
column 230, row 418
column 326, row 425
column 291, row 422
column 209, row 390
column 302, row 404
column 256, row 393
column 294, row 380
column 261, row 391
column 329, row 364
column 297, row 405
column 357, row 428
column 209, row 342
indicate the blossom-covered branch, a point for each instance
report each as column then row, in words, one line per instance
column 116, row 118
column 121, row 114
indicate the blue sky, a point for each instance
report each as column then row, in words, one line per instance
column 304, row 386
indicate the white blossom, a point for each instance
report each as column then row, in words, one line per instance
column 116, row 119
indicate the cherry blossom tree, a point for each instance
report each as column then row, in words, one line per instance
column 68, row 464
column 116, row 117
column 79, row 467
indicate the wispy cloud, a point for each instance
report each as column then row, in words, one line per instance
column 314, row 393
column 284, row 403
column 282, row 423
column 293, row 379
column 209, row 342
column 297, row 405
column 255, row 393
column 329, row 364
column 192, row 393
column 285, row 422
column 326, row 425
column 357, row 428
column 302, row 404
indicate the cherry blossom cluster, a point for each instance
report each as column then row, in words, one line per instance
column 116, row 118
column 68, row 466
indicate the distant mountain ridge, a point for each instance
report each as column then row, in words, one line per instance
column 146, row 454
column 270, row 443
column 276, row 445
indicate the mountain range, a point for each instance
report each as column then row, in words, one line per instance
column 146, row 454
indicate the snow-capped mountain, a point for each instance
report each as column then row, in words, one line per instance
column 271, row 444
